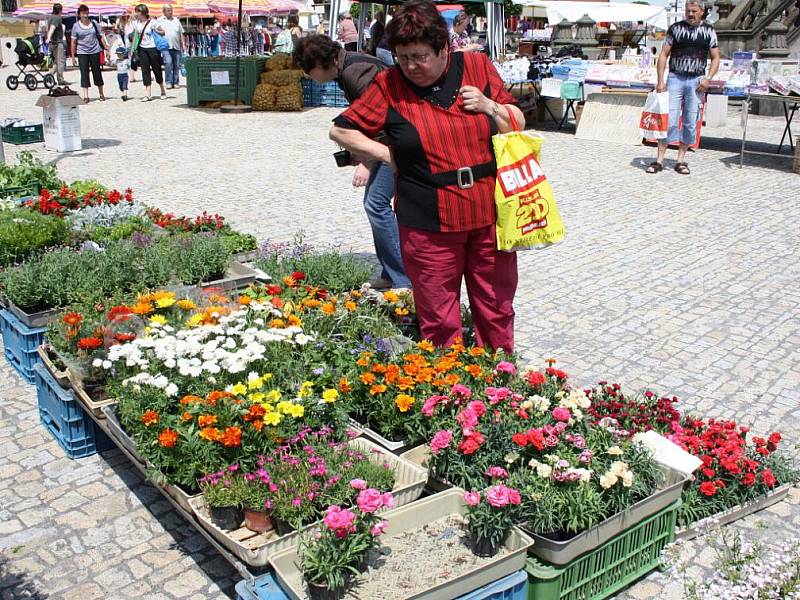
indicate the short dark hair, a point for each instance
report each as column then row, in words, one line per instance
column 418, row 22
column 293, row 21
column 83, row 8
column 142, row 8
column 57, row 8
column 316, row 50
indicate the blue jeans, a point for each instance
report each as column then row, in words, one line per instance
column 378, row 205
column 385, row 55
column 122, row 80
column 684, row 102
column 172, row 66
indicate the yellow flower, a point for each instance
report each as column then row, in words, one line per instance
column 401, row 312
column 256, row 396
column 272, row 418
column 256, row 383
column 306, row 389
column 330, row 395
column 297, row 410
column 284, row 406
column 277, row 324
column 294, row 321
column 350, row 305
column 158, row 320
column 165, row 302
column 391, row 296
column 425, row 345
column 268, row 408
column 266, row 376
column 239, row 389
column 186, row 304
column 195, row 320
column 273, row 396
column 404, row 402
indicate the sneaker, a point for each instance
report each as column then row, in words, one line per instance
column 163, row 96
column 380, row 284
column 146, row 99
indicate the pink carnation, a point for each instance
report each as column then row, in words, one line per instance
column 499, row 496
column 561, row 414
column 441, row 440
column 358, row 484
column 496, row 473
column 339, row 521
column 472, row 498
column 388, row 500
column 378, row 528
column 478, row 407
column 506, row 367
column 369, row 500
column 514, row 496
column 467, row 418
column 429, row 406
column 461, row 390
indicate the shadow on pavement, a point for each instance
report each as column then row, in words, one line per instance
column 183, row 532
column 99, row 143
column 15, row 585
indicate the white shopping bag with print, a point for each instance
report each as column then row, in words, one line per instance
column 655, row 116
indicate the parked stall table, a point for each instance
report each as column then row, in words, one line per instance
column 788, row 114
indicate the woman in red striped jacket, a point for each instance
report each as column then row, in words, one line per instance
column 438, row 110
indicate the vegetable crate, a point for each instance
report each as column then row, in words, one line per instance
column 512, row 587
column 609, row 568
column 322, row 94
column 214, row 79
column 73, row 429
column 29, row 134
column 19, row 192
column 20, row 344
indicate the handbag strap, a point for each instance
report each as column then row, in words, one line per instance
column 514, row 124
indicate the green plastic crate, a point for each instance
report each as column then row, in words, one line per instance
column 20, row 192
column 607, row 569
column 29, row 134
column 198, row 78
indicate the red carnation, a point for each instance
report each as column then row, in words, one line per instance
column 557, row 373
column 298, row 276
column 471, row 443
column 775, row 438
column 748, row 479
column 768, row 478
column 536, row 437
column 520, row 439
column 707, row 488
column 710, row 473
column 535, row 378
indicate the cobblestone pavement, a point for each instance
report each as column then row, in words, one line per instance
column 686, row 284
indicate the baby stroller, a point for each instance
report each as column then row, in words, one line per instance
column 30, row 62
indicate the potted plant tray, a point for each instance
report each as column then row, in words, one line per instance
column 410, row 525
column 245, row 257
column 738, row 512
column 421, row 455
column 396, row 447
column 562, row 552
column 91, row 402
column 256, row 548
column 37, row 319
column 236, row 277
column 115, row 431
column 49, row 357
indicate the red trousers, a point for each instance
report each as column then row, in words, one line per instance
column 436, row 262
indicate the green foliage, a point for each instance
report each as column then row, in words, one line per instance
column 24, row 231
column 198, row 258
column 236, row 241
column 27, row 171
column 83, row 186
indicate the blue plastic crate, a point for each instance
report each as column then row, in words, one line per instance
column 20, row 343
column 513, row 587
column 322, row 94
column 65, row 419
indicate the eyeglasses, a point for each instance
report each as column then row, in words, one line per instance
column 417, row 59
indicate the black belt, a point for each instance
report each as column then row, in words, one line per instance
column 464, row 177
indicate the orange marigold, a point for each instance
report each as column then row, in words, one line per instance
column 206, row 420
column 232, row 437
column 258, row 425
column 425, row 345
column 477, row 351
column 405, row 383
column 72, row 319
column 474, row 370
column 212, row 434
column 363, row 361
column 328, row 308
column 186, row 416
column 149, row 418
column 376, row 389
column 378, row 368
column 404, row 402
column 168, row 438
column 255, row 412
column 189, row 399
column 452, row 379
column 344, row 385
column 367, row 378
column 215, row 396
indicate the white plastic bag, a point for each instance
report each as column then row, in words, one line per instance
column 655, row 116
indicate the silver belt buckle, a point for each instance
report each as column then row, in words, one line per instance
column 464, row 178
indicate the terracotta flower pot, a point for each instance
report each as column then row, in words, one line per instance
column 257, row 520
column 226, row 517
column 318, row 591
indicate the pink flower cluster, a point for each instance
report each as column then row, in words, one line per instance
column 441, row 440
column 340, row 521
column 371, row 500
column 431, row 403
column 498, row 496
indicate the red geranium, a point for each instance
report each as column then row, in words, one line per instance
column 557, row 373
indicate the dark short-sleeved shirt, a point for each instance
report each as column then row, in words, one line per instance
column 58, row 33
column 432, row 136
column 690, row 47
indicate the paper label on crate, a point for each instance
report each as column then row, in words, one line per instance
column 220, row 78
column 669, row 453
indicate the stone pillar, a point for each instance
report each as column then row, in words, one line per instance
column 586, row 36
column 775, row 43
column 724, row 8
column 562, row 35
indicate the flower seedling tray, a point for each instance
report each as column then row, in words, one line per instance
column 245, row 257
column 608, row 568
column 37, row 319
column 738, row 512
column 396, row 447
column 21, row 344
column 255, row 549
column 563, row 552
column 48, row 356
column 237, row 276
column 421, row 455
column 118, row 434
column 415, row 517
column 93, row 403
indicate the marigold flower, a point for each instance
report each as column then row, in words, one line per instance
column 273, row 418
column 73, row 319
column 425, row 345
column 344, row 385
column 212, row 434
column 168, row 438
column 206, row 420
column 232, row 437
column 328, row 308
column 330, row 395
column 186, row 304
column 405, row 383
column 186, row 416
column 215, row 396
column 90, row 343
column 367, row 378
column 150, row 418
column 188, row 399
column 376, row 389
column 404, row 402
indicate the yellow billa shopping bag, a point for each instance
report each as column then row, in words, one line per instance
column 527, row 215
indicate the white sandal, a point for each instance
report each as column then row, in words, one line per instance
column 146, row 99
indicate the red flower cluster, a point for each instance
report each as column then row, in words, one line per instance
column 726, row 455
column 66, row 199
column 471, row 443
column 202, row 222
column 633, row 414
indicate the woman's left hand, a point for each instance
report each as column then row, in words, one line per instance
column 474, row 100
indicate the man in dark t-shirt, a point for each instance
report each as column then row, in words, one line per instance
column 55, row 38
column 687, row 47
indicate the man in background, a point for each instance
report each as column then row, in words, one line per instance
column 173, row 32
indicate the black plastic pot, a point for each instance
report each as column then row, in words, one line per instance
column 226, row 517
column 486, row 548
column 281, row 526
column 322, row 592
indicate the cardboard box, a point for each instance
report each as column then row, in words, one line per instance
column 62, row 122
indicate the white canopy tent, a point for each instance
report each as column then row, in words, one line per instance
column 654, row 16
